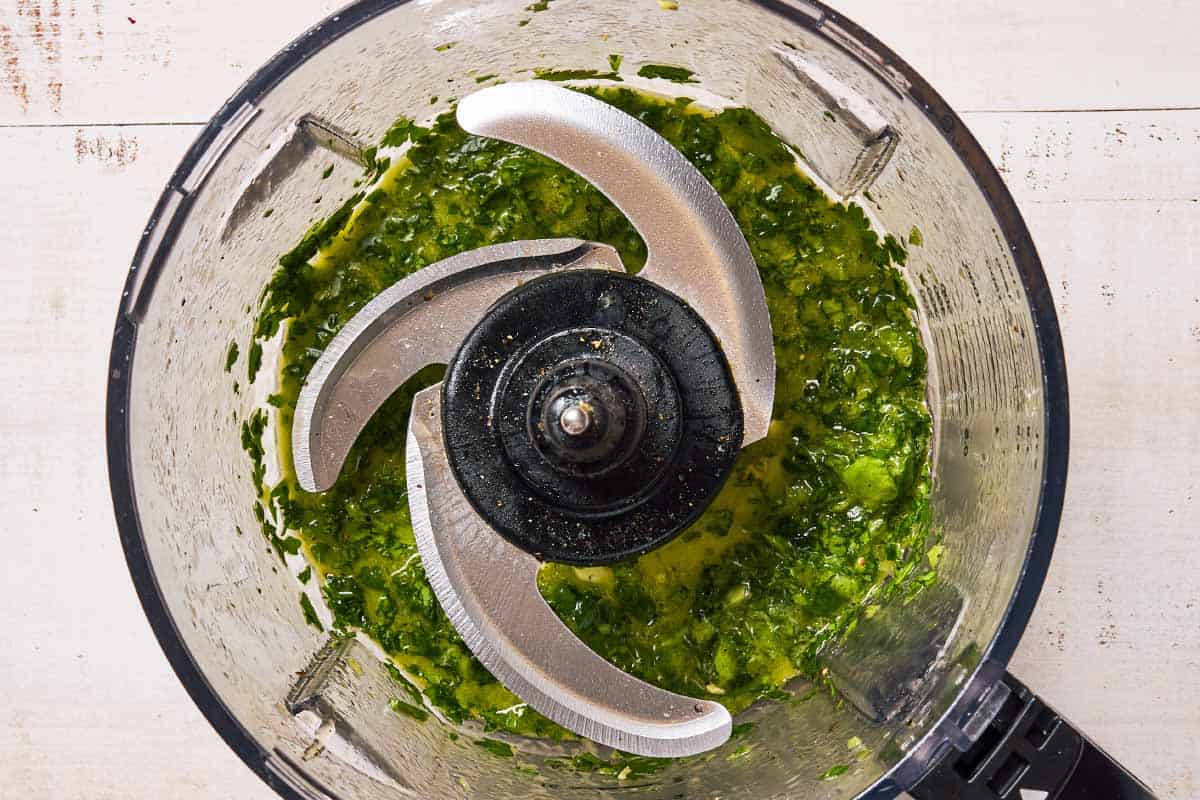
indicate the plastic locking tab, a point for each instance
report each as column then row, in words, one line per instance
column 1028, row 752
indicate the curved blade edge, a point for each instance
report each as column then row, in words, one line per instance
column 418, row 321
column 488, row 588
column 696, row 249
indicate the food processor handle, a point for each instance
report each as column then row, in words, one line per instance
column 1028, row 752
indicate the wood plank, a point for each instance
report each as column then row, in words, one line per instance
column 1112, row 201
column 97, row 61
column 92, row 708
column 1019, row 55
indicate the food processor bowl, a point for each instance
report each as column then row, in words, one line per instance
column 309, row 711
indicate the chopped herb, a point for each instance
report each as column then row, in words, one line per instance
column 667, row 72
column 915, row 238
column 495, row 747
column 870, row 482
column 741, row 751
column 401, row 707
column 268, row 213
column 614, row 62
column 254, row 360
column 398, row 678
column 403, row 130
column 310, row 613
column 231, row 356
column 631, row 766
column 378, row 167
column 483, row 78
column 328, row 171
column 835, row 771
column 252, row 431
column 305, row 574
column 895, row 250
column 574, row 75
column 441, row 48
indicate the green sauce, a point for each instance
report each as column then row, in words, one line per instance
column 818, row 523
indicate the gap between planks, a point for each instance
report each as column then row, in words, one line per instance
column 52, row 125
column 961, row 112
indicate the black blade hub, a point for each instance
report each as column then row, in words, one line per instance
column 572, row 416
column 590, row 416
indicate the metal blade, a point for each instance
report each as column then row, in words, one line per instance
column 418, row 321
column 488, row 588
column 696, row 249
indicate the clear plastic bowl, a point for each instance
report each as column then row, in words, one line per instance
column 311, row 715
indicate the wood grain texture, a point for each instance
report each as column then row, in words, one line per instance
column 1113, row 202
column 92, row 708
column 88, row 61
column 1113, row 199
column 1020, row 55
column 105, row 61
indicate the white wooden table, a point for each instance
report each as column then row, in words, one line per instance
column 1090, row 107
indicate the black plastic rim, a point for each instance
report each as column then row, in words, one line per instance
column 960, row 139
